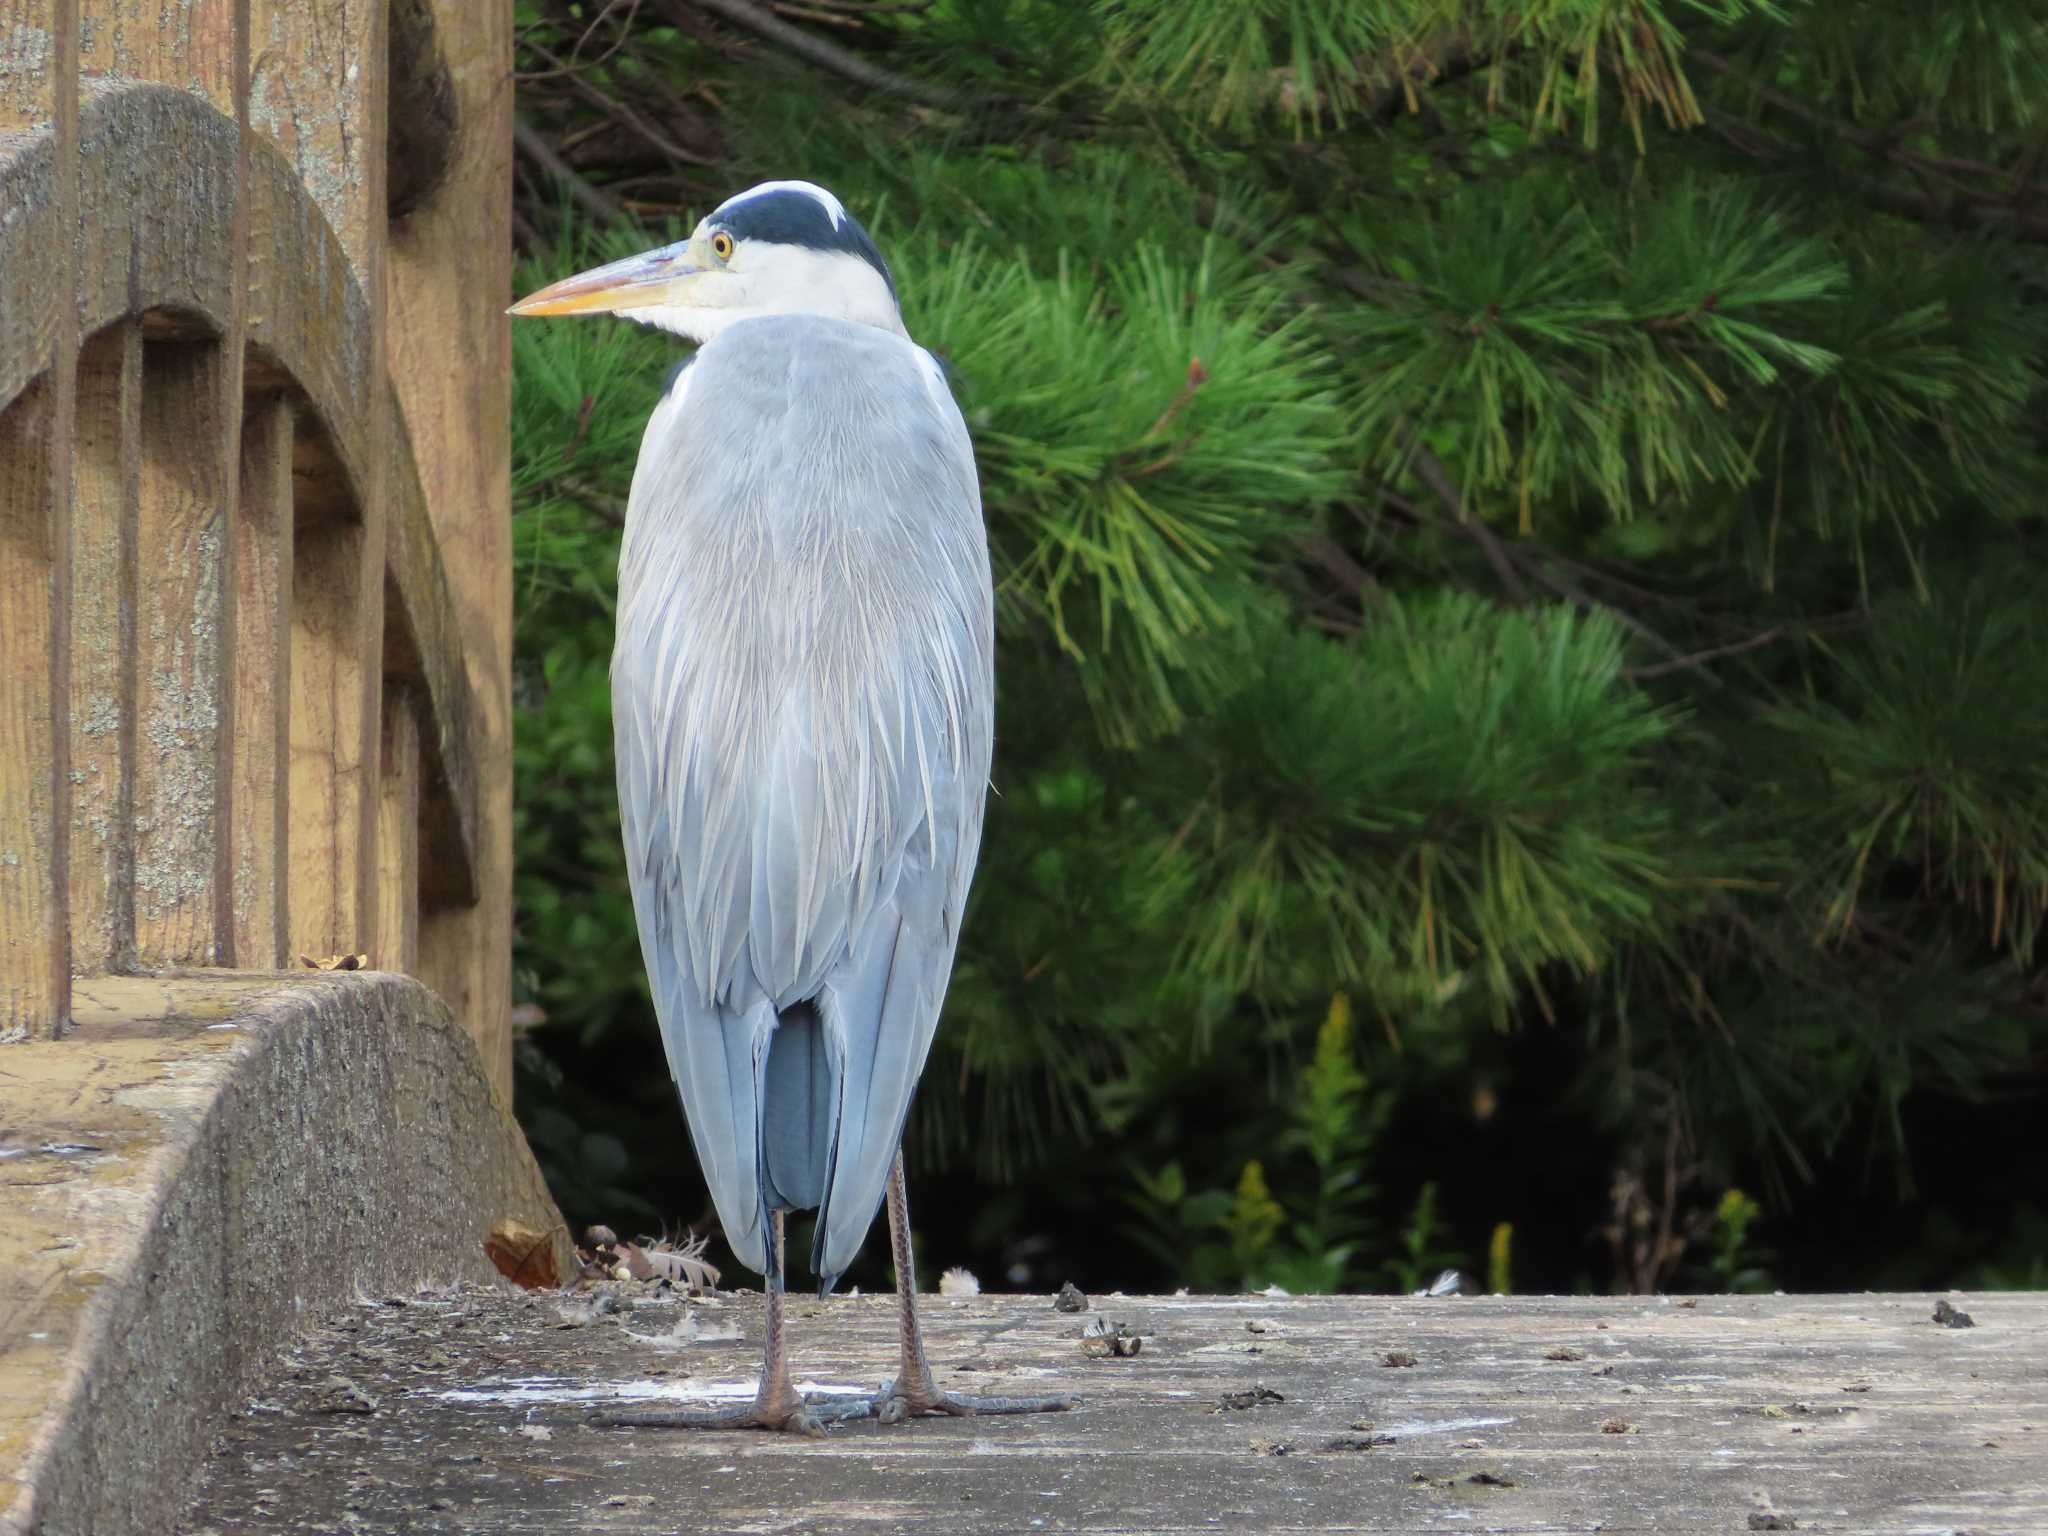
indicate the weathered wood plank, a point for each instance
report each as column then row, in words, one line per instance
column 157, row 198
column 316, row 91
column 398, row 836
column 40, row 329
column 34, row 957
column 106, row 475
column 423, row 647
column 38, row 114
column 159, row 180
column 1845, row 1413
column 308, row 319
column 230, row 94
column 329, row 788
column 184, row 521
column 134, row 40
column 450, row 354
column 259, row 878
column 369, row 684
column 233, row 179
column 30, row 43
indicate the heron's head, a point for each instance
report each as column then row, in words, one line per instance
column 782, row 248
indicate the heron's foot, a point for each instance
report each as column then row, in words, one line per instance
column 801, row 1416
column 893, row 1404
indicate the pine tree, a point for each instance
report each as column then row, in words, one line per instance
column 1521, row 515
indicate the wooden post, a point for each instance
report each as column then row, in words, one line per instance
column 330, row 791
column 184, row 523
column 318, row 89
column 39, row 94
column 398, row 834
column 460, row 401
column 277, row 491
column 34, row 963
column 106, row 480
column 258, row 878
column 128, row 40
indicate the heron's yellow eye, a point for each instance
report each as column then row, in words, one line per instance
column 721, row 246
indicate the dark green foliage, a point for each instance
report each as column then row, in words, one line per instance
column 1443, row 808
column 1522, row 520
column 1156, row 427
column 1934, row 751
column 1246, row 1239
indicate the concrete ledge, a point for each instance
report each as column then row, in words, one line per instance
column 470, row 1413
column 208, row 1164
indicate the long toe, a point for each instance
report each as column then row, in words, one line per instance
column 892, row 1405
column 838, row 1409
column 809, row 1418
column 953, row 1402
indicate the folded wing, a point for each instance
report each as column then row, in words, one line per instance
column 802, row 711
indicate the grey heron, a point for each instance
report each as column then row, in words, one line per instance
column 803, row 700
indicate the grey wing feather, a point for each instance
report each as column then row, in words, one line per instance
column 803, row 692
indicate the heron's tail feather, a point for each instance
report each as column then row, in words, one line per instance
column 712, row 1056
column 876, row 1020
column 797, row 1111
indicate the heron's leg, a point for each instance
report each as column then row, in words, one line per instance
column 913, row 1391
column 777, row 1405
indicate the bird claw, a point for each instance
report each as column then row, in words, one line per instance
column 825, row 1411
column 891, row 1408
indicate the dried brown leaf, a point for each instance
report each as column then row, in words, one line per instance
column 524, row 1255
column 336, row 963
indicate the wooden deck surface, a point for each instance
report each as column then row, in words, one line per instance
column 468, row 1411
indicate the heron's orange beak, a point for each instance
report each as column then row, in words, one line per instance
column 634, row 283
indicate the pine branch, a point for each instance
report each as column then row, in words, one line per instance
column 591, row 200
column 1352, row 579
column 1884, row 146
column 1512, row 559
column 621, row 112
column 1964, row 208
column 1921, row 207
column 1442, row 61
column 1711, row 653
column 1433, row 474
column 824, row 54
column 593, row 499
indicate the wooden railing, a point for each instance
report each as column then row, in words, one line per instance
column 254, row 548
